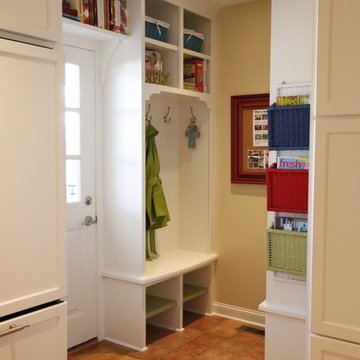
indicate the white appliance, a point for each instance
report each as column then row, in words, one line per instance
column 32, row 184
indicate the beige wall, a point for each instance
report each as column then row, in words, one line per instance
column 243, row 67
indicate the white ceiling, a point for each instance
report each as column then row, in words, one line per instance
column 222, row 3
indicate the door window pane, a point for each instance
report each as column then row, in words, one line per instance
column 73, row 190
column 72, row 86
column 72, row 126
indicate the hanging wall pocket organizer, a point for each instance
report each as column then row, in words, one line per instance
column 286, row 251
column 287, row 190
column 289, row 127
column 287, row 186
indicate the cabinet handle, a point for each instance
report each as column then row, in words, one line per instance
column 13, row 328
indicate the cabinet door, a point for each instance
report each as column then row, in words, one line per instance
column 36, row 18
column 32, row 246
column 336, row 246
column 330, row 349
column 338, row 58
column 40, row 335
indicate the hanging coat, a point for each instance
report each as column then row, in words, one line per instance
column 157, row 214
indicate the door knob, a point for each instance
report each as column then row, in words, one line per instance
column 89, row 221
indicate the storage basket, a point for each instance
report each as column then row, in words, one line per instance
column 287, row 190
column 193, row 40
column 289, row 127
column 156, row 29
column 286, row 251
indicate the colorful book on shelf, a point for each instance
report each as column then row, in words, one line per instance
column 111, row 14
column 294, row 163
column 123, row 17
column 86, row 11
column 291, row 223
column 117, row 16
column 69, row 11
column 194, row 73
column 106, row 14
column 190, row 86
column 94, row 12
column 70, row 17
column 120, row 16
column 80, row 10
column 100, row 14
column 205, row 75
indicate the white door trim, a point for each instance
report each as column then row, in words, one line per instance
column 95, row 46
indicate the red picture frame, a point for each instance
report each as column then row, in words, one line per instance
column 242, row 107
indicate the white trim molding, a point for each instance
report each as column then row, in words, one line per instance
column 253, row 317
column 283, row 310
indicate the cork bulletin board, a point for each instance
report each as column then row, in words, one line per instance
column 249, row 135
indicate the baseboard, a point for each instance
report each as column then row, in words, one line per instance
column 125, row 344
column 237, row 313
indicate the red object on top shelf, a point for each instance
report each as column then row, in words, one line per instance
column 287, row 190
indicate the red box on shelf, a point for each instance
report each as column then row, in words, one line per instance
column 287, row 190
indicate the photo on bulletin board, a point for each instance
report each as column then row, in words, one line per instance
column 249, row 138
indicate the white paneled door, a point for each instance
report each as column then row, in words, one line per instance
column 80, row 194
column 32, row 245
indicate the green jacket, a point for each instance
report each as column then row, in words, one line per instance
column 156, row 208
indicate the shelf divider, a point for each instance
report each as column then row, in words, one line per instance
column 156, row 305
column 159, row 45
column 188, row 54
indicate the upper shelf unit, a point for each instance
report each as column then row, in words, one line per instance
column 200, row 25
column 97, row 21
column 177, row 49
column 168, row 21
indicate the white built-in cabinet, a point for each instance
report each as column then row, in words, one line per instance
column 39, row 335
column 38, row 19
column 173, row 52
column 32, row 183
column 337, row 74
column 335, row 287
column 32, row 177
column 136, row 291
column 335, row 271
column 332, row 349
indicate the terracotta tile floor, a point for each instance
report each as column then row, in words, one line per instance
column 204, row 338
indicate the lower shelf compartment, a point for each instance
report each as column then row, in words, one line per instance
column 176, row 282
column 156, row 305
column 192, row 291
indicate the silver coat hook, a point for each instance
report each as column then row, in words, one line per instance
column 147, row 117
column 165, row 118
column 193, row 118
